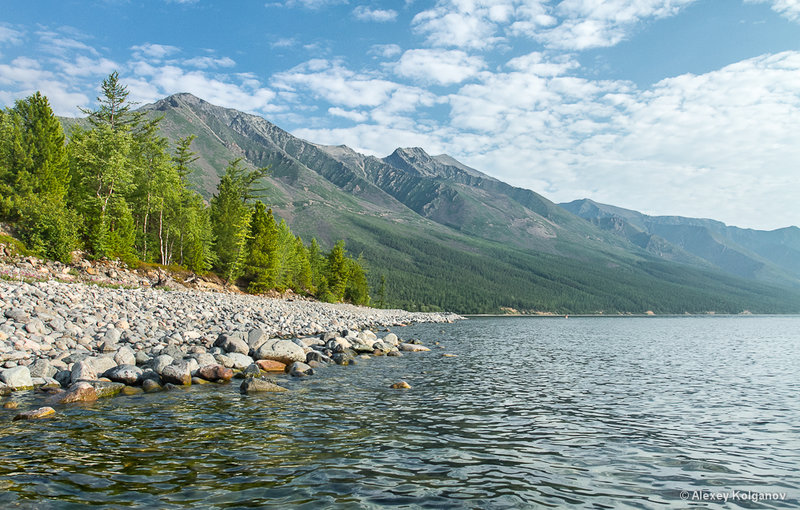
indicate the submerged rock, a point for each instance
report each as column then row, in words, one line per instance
column 401, row 385
column 257, row 385
column 42, row 412
column 79, row 392
column 298, row 369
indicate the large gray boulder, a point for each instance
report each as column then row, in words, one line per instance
column 43, row 368
column 100, row 363
column 284, row 351
column 17, row 378
column 126, row 374
column 162, row 361
column 240, row 361
column 82, row 371
column 125, row 356
column 256, row 338
column 177, row 373
column 233, row 342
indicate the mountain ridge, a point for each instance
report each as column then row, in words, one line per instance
column 447, row 236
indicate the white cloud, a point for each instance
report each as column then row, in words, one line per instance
column 336, row 84
column 210, row 62
column 570, row 24
column 441, row 67
column 457, row 23
column 58, row 43
column 9, row 35
column 385, row 50
column 364, row 13
column 154, row 51
column 788, row 8
column 308, row 4
column 149, row 83
column 355, row 116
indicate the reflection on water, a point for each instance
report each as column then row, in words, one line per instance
column 593, row 413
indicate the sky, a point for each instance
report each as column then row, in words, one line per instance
column 668, row 107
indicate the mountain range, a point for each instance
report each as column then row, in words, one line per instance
column 447, row 236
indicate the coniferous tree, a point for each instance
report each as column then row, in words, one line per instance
column 230, row 217
column 337, row 271
column 382, row 293
column 114, row 109
column 356, row 289
column 34, row 177
column 261, row 268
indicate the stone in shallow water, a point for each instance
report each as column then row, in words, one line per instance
column 298, row 369
column 215, row 372
column 177, row 373
column 106, row 388
column 79, row 392
column 150, row 386
column 268, row 365
column 257, row 385
column 17, row 378
column 240, row 361
column 413, row 348
column 284, row 351
column 42, row 412
column 401, row 385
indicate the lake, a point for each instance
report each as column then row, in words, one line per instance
column 635, row 412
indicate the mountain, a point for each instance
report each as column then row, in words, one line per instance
column 767, row 256
column 447, row 236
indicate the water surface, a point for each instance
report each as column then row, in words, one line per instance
column 584, row 413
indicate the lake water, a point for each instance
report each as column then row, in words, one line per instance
column 533, row 412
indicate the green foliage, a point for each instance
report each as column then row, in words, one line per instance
column 261, row 268
column 337, row 271
column 114, row 109
column 356, row 290
column 34, row 176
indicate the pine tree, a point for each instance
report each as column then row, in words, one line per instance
column 261, row 268
column 114, row 109
column 382, row 292
column 337, row 271
column 230, row 217
column 356, row 289
column 34, row 177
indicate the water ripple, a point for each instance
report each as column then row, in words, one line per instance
column 585, row 413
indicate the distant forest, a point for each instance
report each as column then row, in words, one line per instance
column 116, row 190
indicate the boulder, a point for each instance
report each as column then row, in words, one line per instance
column 17, row 378
column 251, row 371
column 268, row 365
column 412, row 348
column 256, row 338
column 233, row 342
column 125, row 356
column 392, row 339
column 299, row 369
column 256, row 385
column 79, row 392
column 151, row 385
column 204, row 359
column 126, row 374
column 214, row 372
column 401, row 385
column 100, row 363
column 42, row 412
column 284, row 351
column 161, row 362
column 82, row 371
column 240, row 361
column 42, row 368
column 106, row 388
column 318, row 357
column 177, row 373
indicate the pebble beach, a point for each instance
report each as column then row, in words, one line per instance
column 81, row 341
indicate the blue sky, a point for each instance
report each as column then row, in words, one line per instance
column 685, row 107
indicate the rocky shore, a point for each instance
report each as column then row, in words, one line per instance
column 82, row 342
